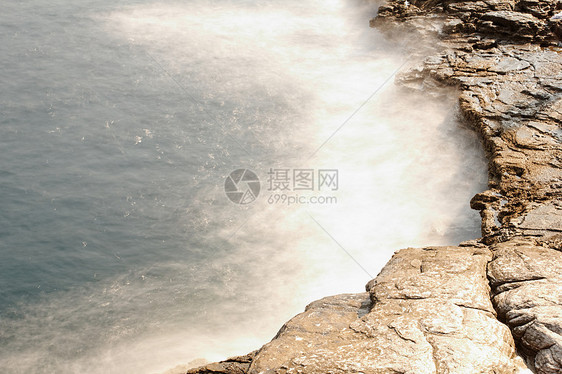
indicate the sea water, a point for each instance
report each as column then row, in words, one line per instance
column 120, row 121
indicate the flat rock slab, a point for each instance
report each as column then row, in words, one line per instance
column 527, row 283
column 546, row 217
column 510, row 18
column 428, row 311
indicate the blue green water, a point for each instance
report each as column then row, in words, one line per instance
column 119, row 122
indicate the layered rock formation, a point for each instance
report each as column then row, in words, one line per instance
column 527, row 284
column 432, row 316
column 505, row 59
column 461, row 309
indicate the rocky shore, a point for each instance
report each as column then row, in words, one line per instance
column 490, row 305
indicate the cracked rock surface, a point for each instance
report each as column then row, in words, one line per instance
column 504, row 57
column 527, row 285
column 428, row 311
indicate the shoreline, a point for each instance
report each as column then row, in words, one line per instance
column 490, row 303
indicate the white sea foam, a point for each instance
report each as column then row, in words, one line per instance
column 265, row 85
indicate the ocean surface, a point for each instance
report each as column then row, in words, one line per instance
column 120, row 122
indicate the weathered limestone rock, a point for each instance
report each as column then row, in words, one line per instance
column 511, row 93
column 428, row 311
column 515, row 24
column 527, row 285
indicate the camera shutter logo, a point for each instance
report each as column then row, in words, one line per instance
column 242, row 186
